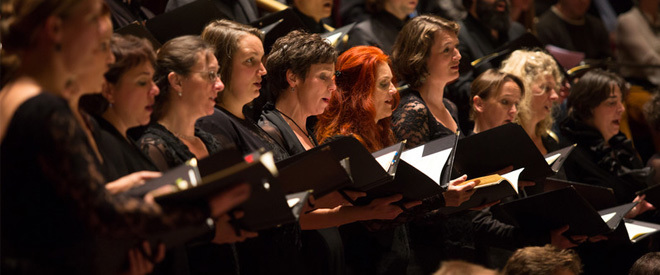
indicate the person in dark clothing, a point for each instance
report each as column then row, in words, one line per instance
column 311, row 12
column 241, row 11
column 382, row 27
column 486, row 28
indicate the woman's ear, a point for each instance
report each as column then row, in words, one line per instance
column 291, row 78
column 478, row 103
column 108, row 92
column 175, row 81
column 53, row 29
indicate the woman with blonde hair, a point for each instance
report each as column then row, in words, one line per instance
column 541, row 77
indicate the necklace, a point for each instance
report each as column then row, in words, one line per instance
column 299, row 128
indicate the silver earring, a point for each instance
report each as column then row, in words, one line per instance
column 180, row 94
column 293, row 89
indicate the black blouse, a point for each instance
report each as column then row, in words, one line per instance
column 413, row 121
column 53, row 194
column 167, row 151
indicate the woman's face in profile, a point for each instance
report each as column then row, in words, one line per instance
column 134, row 94
column 247, row 69
column 81, row 33
column 91, row 81
column 607, row 115
column 383, row 91
column 201, row 86
column 500, row 108
column 544, row 95
column 444, row 57
column 315, row 91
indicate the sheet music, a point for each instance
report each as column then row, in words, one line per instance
column 607, row 217
column 512, row 177
column 636, row 230
column 431, row 164
column 386, row 160
column 553, row 158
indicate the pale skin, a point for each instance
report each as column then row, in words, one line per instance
column 544, row 95
column 498, row 109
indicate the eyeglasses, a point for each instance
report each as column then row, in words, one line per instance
column 210, row 75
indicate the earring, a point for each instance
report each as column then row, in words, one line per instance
column 293, row 89
column 110, row 105
column 180, row 94
column 58, row 47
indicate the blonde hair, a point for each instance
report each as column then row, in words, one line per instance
column 530, row 66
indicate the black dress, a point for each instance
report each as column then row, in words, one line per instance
column 322, row 249
column 275, row 250
column 54, row 203
column 380, row 30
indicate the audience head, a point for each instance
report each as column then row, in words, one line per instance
column 186, row 75
column 59, row 35
column 302, row 65
column 364, row 99
column 426, row 49
column 542, row 79
column 130, row 88
column 495, row 98
column 239, row 48
column 597, row 100
column 317, row 9
column 399, row 8
column 457, row 267
column 491, row 13
column 574, row 9
column 543, row 260
column 648, row 264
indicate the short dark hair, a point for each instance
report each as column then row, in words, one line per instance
column 413, row 45
column 296, row 51
column 224, row 35
column 178, row 55
column 592, row 89
column 648, row 264
column 490, row 82
column 129, row 51
column 542, row 260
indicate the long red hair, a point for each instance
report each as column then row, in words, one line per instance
column 351, row 110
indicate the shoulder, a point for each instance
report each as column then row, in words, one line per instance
column 412, row 101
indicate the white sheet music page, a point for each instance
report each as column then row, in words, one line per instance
column 431, row 164
column 512, row 177
column 386, row 160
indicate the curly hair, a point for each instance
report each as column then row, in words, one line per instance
column 531, row 66
column 225, row 35
column 351, row 109
column 542, row 260
column 412, row 47
column 297, row 52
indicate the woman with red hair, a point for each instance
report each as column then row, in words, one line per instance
column 363, row 102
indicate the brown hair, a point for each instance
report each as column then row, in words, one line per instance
column 296, row 51
column 490, row 83
column 649, row 264
column 178, row 55
column 592, row 89
column 413, row 45
column 130, row 51
column 224, row 35
column 542, row 260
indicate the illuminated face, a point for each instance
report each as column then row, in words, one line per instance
column 544, row 95
column 383, row 91
column 247, row 70
column 134, row 94
column 444, row 57
column 607, row 115
column 315, row 91
column 401, row 8
column 500, row 108
column 200, row 88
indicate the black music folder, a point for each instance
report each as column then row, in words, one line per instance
column 338, row 37
column 556, row 158
column 548, row 211
column 599, row 197
column 138, row 30
column 189, row 19
column 652, row 194
column 278, row 24
column 487, row 152
column 315, row 170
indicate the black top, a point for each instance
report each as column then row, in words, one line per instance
column 167, row 151
column 53, row 195
column 379, row 30
column 244, row 133
column 591, row 38
column 310, row 23
column 413, row 121
column 121, row 156
column 278, row 129
column 613, row 163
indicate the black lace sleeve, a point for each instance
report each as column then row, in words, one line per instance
column 410, row 122
column 67, row 161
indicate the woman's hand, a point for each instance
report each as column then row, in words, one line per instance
column 335, row 199
column 225, row 232
column 457, row 192
column 383, row 209
column 138, row 263
column 127, row 182
column 640, row 208
column 558, row 240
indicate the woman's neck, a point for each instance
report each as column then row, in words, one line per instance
column 288, row 105
column 479, row 126
column 178, row 122
column 111, row 116
column 231, row 104
column 433, row 93
column 45, row 71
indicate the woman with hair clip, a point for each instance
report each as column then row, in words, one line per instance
column 542, row 78
column 302, row 69
column 51, row 176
